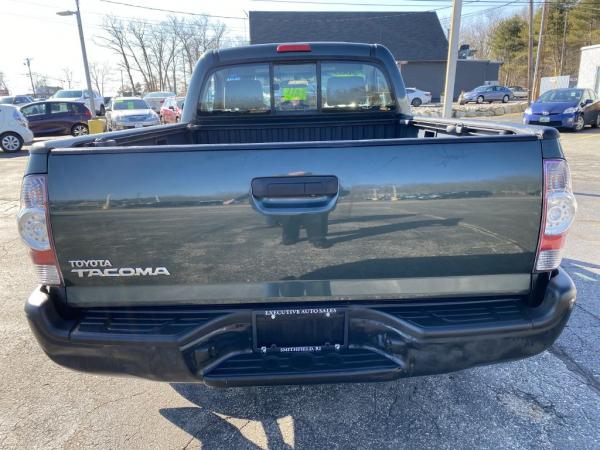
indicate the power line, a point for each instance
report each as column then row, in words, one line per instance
column 150, row 8
column 470, row 2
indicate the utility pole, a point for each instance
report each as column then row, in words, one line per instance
column 538, row 58
column 86, row 67
column 530, row 55
column 452, row 57
column 28, row 64
column 564, row 41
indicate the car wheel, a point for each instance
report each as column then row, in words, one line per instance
column 596, row 124
column 505, row 99
column 416, row 101
column 80, row 129
column 579, row 123
column 480, row 99
column 102, row 110
column 11, row 142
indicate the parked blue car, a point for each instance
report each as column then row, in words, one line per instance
column 565, row 108
column 490, row 94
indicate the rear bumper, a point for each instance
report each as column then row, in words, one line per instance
column 385, row 342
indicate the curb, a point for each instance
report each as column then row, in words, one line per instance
column 459, row 111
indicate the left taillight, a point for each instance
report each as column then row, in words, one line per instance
column 34, row 228
column 559, row 211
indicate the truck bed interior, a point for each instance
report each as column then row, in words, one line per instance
column 220, row 130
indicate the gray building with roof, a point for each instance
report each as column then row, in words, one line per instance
column 416, row 39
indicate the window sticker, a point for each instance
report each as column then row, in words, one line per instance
column 290, row 94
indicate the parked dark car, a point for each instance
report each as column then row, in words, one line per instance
column 489, row 94
column 55, row 118
column 298, row 225
column 16, row 100
column 565, row 108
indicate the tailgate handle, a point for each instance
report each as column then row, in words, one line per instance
column 295, row 194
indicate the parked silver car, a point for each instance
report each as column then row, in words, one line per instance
column 156, row 99
column 519, row 92
column 129, row 112
column 489, row 94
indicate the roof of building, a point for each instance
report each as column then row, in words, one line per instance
column 410, row 36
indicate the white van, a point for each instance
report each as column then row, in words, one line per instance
column 14, row 129
column 81, row 96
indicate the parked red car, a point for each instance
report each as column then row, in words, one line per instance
column 171, row 110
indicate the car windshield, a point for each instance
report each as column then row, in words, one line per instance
column 560, row 95
column 480, row 88
column 6, row 100
column 68, row 94
column 136, row 103
column 160, row 94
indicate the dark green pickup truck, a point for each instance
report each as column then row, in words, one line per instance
column 299, row 225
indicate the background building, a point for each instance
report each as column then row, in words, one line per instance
column 416, row 39
column 589, row 68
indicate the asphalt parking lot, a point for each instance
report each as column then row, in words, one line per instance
column 548, row 401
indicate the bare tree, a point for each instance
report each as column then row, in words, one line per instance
column 162, row 53
column 478, row 31
column 68, row 74
column 115, row 38
column 100, row 74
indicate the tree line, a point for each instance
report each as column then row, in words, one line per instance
column 159, row 56
column 570, row 25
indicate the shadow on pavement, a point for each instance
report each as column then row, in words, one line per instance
column 320, row 416
column 582, row 269
column 4, row 155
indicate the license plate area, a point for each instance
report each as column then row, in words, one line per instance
column 544, row 119
column 300, row 330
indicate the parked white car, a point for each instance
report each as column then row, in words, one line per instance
column 129, row 112
column 81, row 96
column 14, row 129
column 417, row 97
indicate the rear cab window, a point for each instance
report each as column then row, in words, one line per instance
column 238, row 89
column 296, row 87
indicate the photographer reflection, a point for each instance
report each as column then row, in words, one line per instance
column 316, row 226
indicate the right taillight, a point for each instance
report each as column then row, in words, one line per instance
column 34, row 229
column 558, row 214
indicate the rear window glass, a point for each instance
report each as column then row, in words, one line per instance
column 354, row 86
column 238, row 89
column 119, row 105
column 296, row 87
column 68, row 94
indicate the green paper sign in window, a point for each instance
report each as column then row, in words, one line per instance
column 294, row 93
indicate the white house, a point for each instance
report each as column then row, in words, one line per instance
column 589, row 68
